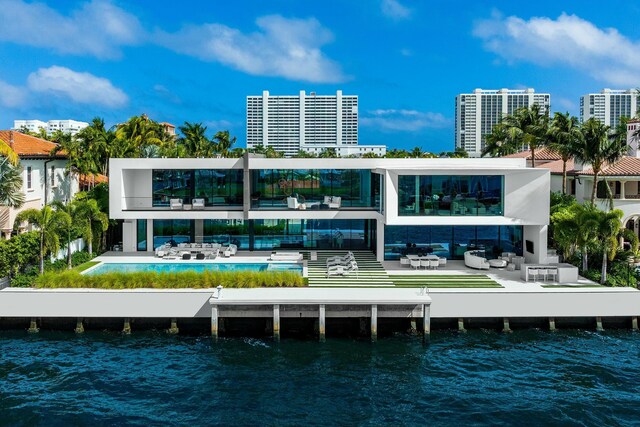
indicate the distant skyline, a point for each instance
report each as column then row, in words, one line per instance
column 406, row 60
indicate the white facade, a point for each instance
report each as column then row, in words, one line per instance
column 346, row 150
column 43, row 181
column 609, row 105
column 525, row 196
column 66, row 126
column 292, row 123
column 476, row 113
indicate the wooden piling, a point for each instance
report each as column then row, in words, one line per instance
column 552, row 324
column 126, row 329
column 426, row 321
column 79, row 326
column 413, row 326
column 173, row 329
column 322, row 323
column 634, row 323
column 214, row 322
column 374, row 322
column 505, row 325
column 599, row 327
column 276, row 322
column 33, row 326
column 461, row 325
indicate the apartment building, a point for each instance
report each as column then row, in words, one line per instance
column 609, row 105
column 51, row 126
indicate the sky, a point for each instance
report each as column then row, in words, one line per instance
column 406, row 60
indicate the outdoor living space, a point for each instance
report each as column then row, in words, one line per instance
column 459, row 275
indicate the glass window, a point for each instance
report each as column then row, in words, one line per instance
column 450, row 195
column 217, row 187
column 141, row 232
column 29, row 177
column 173, row 231
column 223, row 231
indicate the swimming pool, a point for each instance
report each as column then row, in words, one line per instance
column 192, row 266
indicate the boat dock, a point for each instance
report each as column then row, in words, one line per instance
column 419, row 308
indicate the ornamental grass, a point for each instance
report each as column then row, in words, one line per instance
column 182, row 280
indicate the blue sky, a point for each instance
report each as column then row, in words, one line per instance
column 406, row 60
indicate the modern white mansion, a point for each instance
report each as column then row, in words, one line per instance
column 311, row 123
column 477, row 113
column 388, row 206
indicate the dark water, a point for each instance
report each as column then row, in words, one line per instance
column 479, row 378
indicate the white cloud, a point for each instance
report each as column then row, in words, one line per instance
column 602, row 53
column 11, row 96
column 289, row 48
column 403, row 120
column 97, row 28
column 82, row 88
column 394, row 10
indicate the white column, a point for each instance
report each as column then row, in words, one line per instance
column 322, row 322
column 622, row 192
column 380, row 240
column 214, row 321
column 149, row 235
column 198, row 224
column 426, row 319
column 276, row 322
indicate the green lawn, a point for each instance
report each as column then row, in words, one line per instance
column 84, row 266
column 444, row 281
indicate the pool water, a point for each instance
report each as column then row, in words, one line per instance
column 192, row 266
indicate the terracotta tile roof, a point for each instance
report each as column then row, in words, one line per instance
column 541, row 154
column 627, row 166
column 555, row 166
column 85, row 180
column 27, row 146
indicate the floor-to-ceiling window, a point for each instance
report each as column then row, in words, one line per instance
column 451, row 241
column 357, row 188
column 226, row 231
column 141, row 234
column 172, row 231
column 465, row 195
column 218, row 187
column 313, row 234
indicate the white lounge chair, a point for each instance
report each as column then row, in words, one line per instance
column 333, row 202
column 336, row 270
column 197, row 204
column 292, row 203
column 475, row 261
column 175, row 204
column 230, row 250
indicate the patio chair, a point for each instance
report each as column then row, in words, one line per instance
column 553, row 273
column 533, row 274
column 200, row 255
column 433, row 264
column 424, row 263
column 292, row 203
column 336, row 270
column 171, row 254
column 175, row 204
column 186, row 256
column 415, row 263
column 543, row 273
column 442, row 261
column 405, row 261
column 231, row 250
column 197, row 204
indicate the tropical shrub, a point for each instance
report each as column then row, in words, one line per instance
column 182, row 280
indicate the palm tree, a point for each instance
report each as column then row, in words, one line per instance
column 141, row 131
column 596, row 148
column 527, row 127
column 195, row 140
column 416, row 152
column 498, row 142
column 608, row 231
column 91, row 220
column 49, row 223
column 10, row 186
column 69, row 209
column 224, row 142
column 564, row 137
column 328, row 153
column 10, row 156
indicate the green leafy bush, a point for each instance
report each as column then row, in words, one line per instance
column 183, row 280
column 19, row 252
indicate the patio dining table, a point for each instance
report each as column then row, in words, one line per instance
column 430, row 257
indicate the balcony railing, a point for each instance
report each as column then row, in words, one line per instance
column 179, row 204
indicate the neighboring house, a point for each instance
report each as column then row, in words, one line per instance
column 388, row 206
column 622, row 177
column 44, row 177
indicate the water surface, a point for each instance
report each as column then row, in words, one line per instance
column 479, row 378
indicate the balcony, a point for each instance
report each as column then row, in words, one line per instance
column 181, row 204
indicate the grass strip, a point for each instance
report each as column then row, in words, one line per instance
column 85, row 266
column 182, row 280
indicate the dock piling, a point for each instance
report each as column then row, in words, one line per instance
column 413, row 327
column 599, row 327
column 552, row 324
column 374, row 322
column 276, row 322
column 173, row 329
column 634, row 323
column 214, row 322
column 126, row 329
column 426, row 320
column 505, row 325
column 79, row 326
column 461, row 325
column 33, row 326
column 322, row 322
